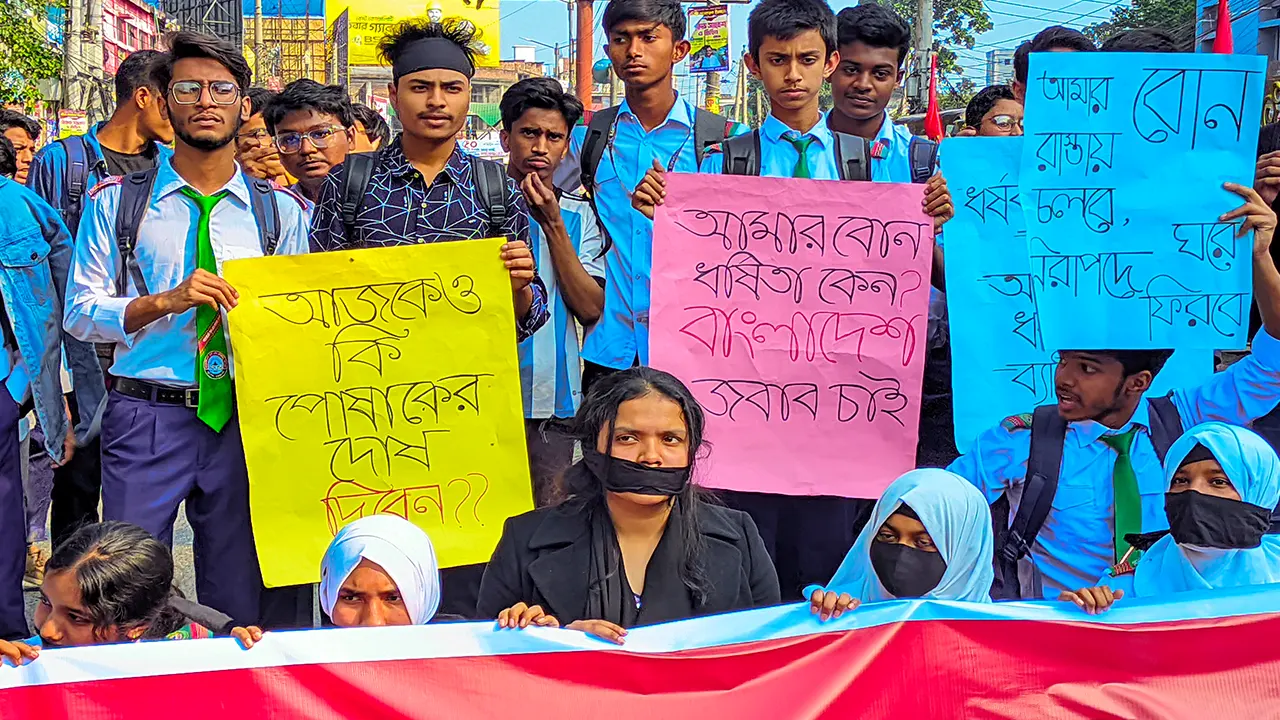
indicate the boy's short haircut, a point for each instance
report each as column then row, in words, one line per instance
column 1021, row 59
column 542, row 93
column 307, row 94
column 659, row 12
column 375, row 126
column 186, row 44
column 785, row 19
column 982, row 103
column 1142, row 40
column 1055, row 37
column 10, row 119
column 259, row 99
column 8, row 158
column 874, row 25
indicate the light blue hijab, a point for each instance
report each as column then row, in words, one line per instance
column 959, row 521
column 1253, row 468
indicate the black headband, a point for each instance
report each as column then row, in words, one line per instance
column 432, row 54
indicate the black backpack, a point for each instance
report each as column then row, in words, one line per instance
column 1044, row 463
column 708, row 129
column 490, row 178
column 853, row 156
column 742, row 156
column 922, row 155
column 135, row 197
column 81, row 161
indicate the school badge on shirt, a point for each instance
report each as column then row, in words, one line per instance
column 215, row 365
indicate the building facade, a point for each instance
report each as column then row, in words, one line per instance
column 999, row 67
column 128, row 25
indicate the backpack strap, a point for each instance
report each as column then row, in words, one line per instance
column 135, row 197
column 357, row 173
column 491, row 185
column 262, row 198
column 1166, row 424
column 708, row 129
column 853, row 157
column 922, row 155
column 1044, row 463
column 593, row 148
column 80, row 162
column 742, row 154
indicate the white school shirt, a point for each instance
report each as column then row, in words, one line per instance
column 165, row 351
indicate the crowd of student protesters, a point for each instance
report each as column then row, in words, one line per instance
column 135, row 404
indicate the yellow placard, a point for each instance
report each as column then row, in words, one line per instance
column 369, row 20
column 378, row 381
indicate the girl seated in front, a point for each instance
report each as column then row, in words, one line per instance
column 929, row 537
column 1223, row 481
column 110, row 582
column 379, row 570
column 635, row 542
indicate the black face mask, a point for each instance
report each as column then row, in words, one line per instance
column 905, row 571
column 618, row 475
column 1214, row 522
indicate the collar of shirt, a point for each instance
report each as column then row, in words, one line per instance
column 456, row 168
column 681, row 113
column 892, row 133
column 169, row 181
column 1089, row 431
column 773, row 129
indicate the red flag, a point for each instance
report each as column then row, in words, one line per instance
column 933, row 118
column 1222, row 37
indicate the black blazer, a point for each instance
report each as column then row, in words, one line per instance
column 543, row 559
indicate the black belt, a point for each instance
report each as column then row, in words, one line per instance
column 143, row 390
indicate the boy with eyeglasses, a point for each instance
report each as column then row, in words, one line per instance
column 169, row 432
column 255, row 148
column 993, row 112
column 314, row 129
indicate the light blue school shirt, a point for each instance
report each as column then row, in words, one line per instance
column 1077, row 543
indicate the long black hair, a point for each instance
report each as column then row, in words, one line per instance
column 599, row 411
column 125, row 578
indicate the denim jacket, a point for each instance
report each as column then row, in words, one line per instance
column 35, row 257
column 47, row 179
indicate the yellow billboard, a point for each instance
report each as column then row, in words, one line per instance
column 370, row 19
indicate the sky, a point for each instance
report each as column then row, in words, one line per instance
column 1014, row 20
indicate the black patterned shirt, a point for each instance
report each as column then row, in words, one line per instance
column 401, row 209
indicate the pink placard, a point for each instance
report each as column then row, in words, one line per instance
column 797, row 312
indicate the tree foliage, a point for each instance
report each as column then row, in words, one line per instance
column 26, row 55
column 956, row 23
column 1176, row 17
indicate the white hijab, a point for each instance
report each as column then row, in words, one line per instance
column 958, row 519
column 1253, row 468
column 399, row 547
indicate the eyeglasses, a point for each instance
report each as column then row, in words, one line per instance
column 188, row 92
column 258, row 135
column 1006, row 123
column 291, row 142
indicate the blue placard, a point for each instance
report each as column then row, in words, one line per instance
column 1122, row 172
column 999, row 363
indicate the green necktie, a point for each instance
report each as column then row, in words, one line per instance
column 1128, row 503
column 801, row 144
column 217, row 397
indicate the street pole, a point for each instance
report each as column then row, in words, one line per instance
column 585, row 22
column 257, row 41
column 72, row 55
column 712, row 101
column 92, row 59
column 924, row 50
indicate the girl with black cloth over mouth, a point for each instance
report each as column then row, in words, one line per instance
column 634, row 542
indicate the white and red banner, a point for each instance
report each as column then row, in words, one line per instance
column 1206, row 656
